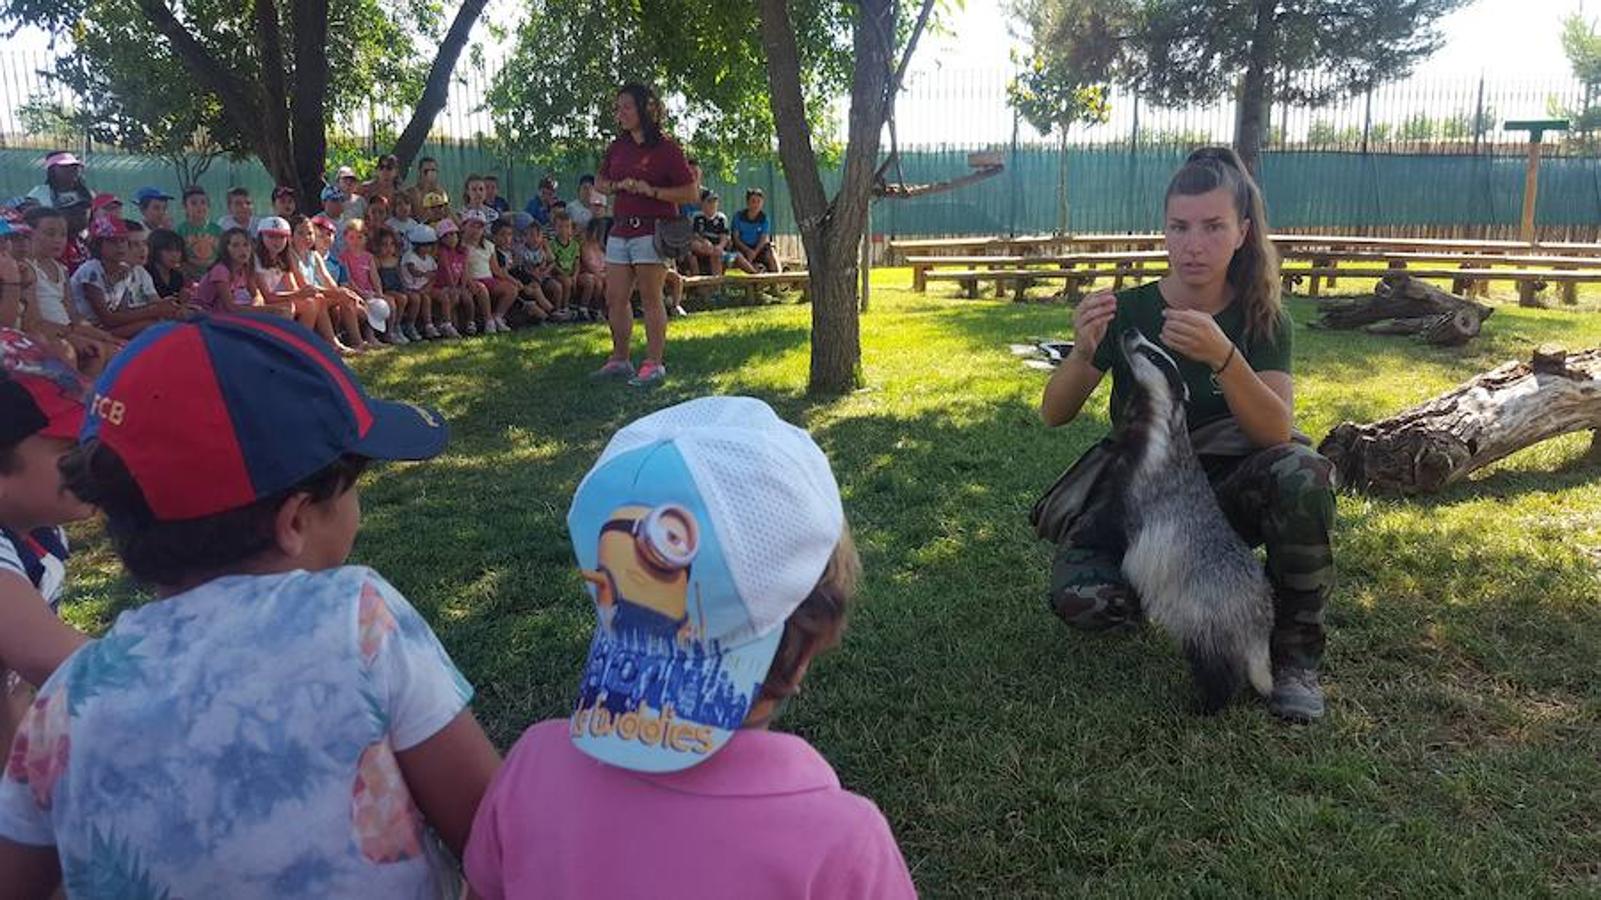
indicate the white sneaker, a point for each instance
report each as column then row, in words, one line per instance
column 449, row 330
column 501, row 321
column 430, row 332
column 398, row 337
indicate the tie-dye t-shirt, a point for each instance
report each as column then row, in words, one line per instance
column 238, row 740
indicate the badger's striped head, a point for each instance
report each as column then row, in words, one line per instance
column 1160, row 392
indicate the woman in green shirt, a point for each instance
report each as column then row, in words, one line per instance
column 1219, row 315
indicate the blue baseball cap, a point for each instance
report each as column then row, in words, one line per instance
column 699, row 531
column 215, row 413
column 332, row 192
column 146, row 194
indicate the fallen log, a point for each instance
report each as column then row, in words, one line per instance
column 1491, row 416
column 1452, row 329
column 1401, row 304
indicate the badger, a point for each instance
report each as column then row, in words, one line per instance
column 1195, row 577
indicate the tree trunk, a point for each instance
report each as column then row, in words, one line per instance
column 274, row 92
column 436, row 89
column 242, row 104
column 1423, row 449
column 831, row 229
column 1255, row 92
column 307, row 102
column 1409, row 304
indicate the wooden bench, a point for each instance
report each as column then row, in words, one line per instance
column 1466, row 286
column 1005, row 265
column 1526, row 279
column 752, row 284
column 1020, row 279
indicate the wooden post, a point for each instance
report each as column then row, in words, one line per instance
column 1531, row 188
column 1531, row 172
column 867, row 258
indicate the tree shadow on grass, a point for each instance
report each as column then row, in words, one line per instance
column 963, row 707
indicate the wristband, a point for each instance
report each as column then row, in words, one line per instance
column 1232, row 350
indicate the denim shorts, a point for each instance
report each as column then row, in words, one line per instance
column 632, row 251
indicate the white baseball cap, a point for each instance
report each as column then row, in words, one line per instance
column 422, row 234
column 378, row 313
column 699, row 531
column 344, row 172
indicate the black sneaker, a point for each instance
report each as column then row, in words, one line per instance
column 1297, row 696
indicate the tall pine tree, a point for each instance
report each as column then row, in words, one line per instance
column 1196, row 51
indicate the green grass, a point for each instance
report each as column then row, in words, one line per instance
column 1462, row 752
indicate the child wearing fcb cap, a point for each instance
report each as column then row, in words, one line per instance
column 716, row 551
column 276, row 723
column 41, row 409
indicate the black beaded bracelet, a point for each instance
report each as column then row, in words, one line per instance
column 1232, row 350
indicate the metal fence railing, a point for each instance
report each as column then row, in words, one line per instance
column 1421, row 154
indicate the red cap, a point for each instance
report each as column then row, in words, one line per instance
column 39, row 392
column 108, row 228
column 103, row 200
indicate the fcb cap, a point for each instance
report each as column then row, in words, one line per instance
column 215, row 413
column 699, row 531
column 39, row 392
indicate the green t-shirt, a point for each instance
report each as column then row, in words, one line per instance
column 202, row 244
column 566, row 255
column 1142, row 308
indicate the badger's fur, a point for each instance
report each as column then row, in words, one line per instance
column 1193, row 574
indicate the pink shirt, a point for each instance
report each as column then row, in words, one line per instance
column 764, row 817
column 358, row 267
column 452, row 263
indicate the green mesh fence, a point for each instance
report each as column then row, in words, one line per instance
column 1107, row 189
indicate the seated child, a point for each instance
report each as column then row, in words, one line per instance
column 164, row 262
column 709, row 252
column 717, row 554
column 532, row 264
column 52, row 317
column 276, row 723
column 532, row 305
column 418, row 269
column 202, row 239
column 41, row 410
column 112, row 290
column 753, row 237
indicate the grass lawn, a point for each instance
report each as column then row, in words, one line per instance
column 1462, row 752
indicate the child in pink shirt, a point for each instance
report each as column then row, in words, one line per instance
column 718, row 558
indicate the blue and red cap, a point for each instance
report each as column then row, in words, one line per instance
column 215, row 413
column 39, row 392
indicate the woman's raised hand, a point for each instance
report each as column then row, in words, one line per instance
column 1090, row 321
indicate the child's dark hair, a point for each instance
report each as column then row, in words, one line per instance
column 226, row 239
column 238, row 191
column 499, row 225
column 817, row 624
column 650, row 111
column 175, row 553
column 285, row 259
column 1254, row 270
column 598, row 228
column 375, row 240
column 8, row 457
column 193, row 190
column 40, row 213
column 162, row 240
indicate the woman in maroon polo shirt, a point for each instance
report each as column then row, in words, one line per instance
column 647, row 172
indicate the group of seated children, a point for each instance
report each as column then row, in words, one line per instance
column 748, row 245
column 277, row 723
column 376, row 263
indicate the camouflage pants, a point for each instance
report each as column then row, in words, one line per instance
column 1281, row 497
